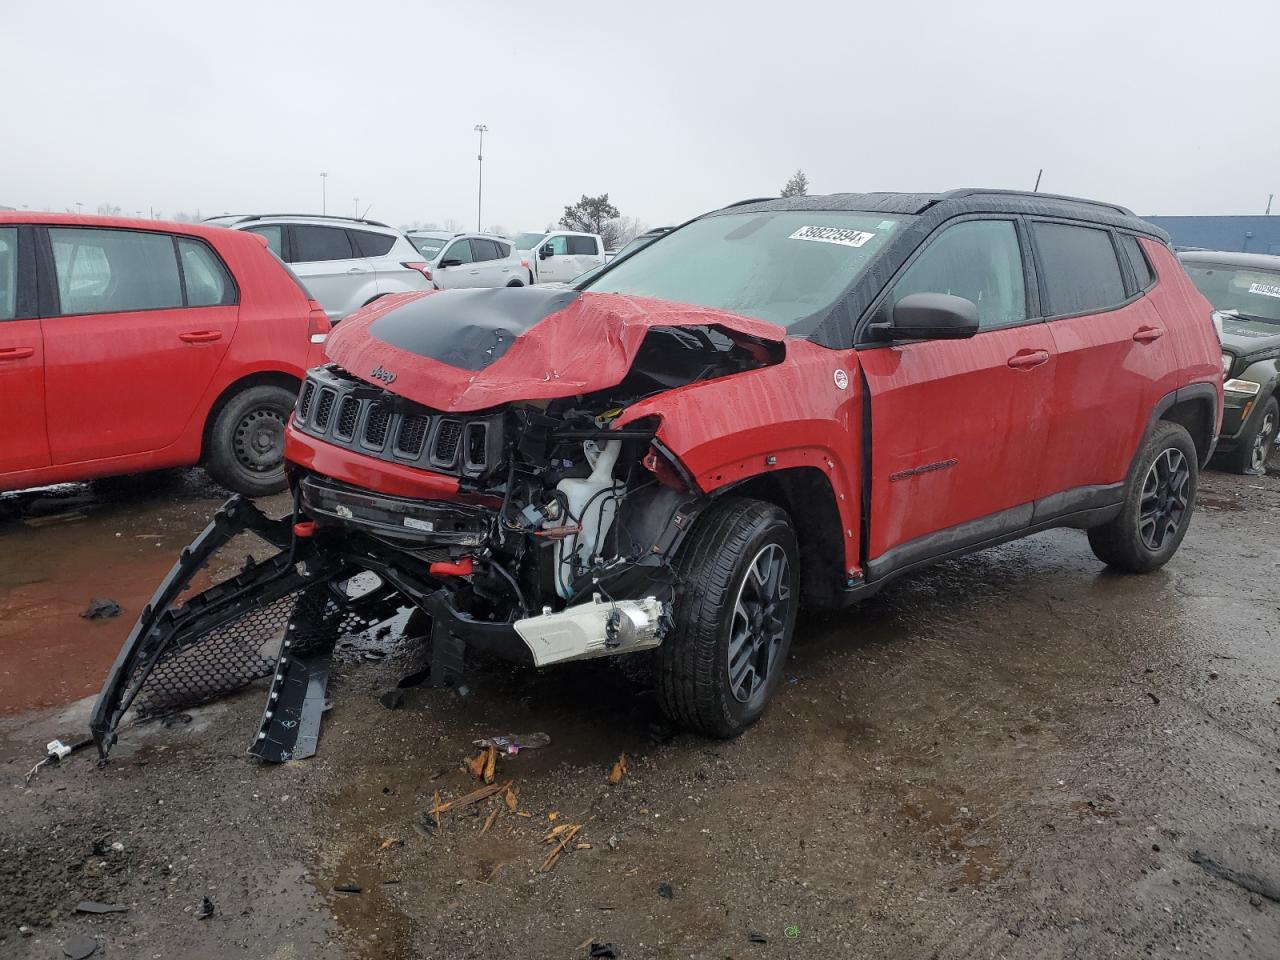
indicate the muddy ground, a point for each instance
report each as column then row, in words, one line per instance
column 1013, row 755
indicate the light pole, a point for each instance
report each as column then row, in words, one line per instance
column 78, row 206
column 481, row 129
column 356, row 201
column 324, row 193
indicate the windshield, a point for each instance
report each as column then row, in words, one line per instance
column 427, row 246
column 527, row 241
column 779, row 266
column 641, row 241
column 1243, row 290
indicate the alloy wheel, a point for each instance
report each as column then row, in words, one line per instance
column 1165, row 498
column 760, row 616
column 1262, row 442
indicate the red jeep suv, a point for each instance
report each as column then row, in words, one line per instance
column 129, row 345
column 783, row 400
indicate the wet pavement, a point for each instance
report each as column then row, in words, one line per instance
column 1018, row 754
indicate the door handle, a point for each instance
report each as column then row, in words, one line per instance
column 1025, row 359
column 356, row 270
column 200, row 336
column 16, row 353
column 1148, row 334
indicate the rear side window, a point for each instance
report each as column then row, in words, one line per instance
column 314, row 244
column 1081, row 272
column 504, row 249
column 109, row 271
column 208, row 284
column 1137, row 260
column 582, row 246
column 484, row 249
column 8, row 273
column 274, row 234
column 369, row 244
column 460, row 251
column 979, row 260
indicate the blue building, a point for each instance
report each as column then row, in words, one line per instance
column 1244, row 234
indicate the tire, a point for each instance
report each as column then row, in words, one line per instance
column 515, row 283
column 730, row 555
column 1252, row 450
column 1159, row 500
column 246, row 443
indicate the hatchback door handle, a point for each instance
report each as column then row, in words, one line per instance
column 1148, row 334
column 1025, row 359
column 16, row 353
column 357, row 270
column 200, row 336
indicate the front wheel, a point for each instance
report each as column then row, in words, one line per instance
column 735, row 612
column 1250, row 456
column 1159, row 499
column 246, row 443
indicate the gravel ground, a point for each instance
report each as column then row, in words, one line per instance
column 1017, row 754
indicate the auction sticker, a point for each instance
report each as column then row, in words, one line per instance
column 1265, row 289
column 841, row 235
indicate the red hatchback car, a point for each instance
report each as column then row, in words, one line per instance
column 131, row 345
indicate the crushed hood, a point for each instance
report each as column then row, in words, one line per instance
column 464, row 350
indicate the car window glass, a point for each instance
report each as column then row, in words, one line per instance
column 8, row 272
column 207, row 282
column 460, row 251
column 370, row 244
column 582, row 246
column 979, row 260
column 273, row 234
column 559, row 246
column 1081, row 273
column 504, row 249
column 1137, row 260
column 1241, row 290
column 428, row 246
column 105, row 271
column 312, row 244
column 484, row 249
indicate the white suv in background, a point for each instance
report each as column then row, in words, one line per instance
column 457, row 260
column 559, row 256
column 343, row 262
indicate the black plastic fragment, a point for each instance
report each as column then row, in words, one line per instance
column 603, row 950
column 347, row 888
column 666, row 892
column 101, row 608
column 77, row 948
column 757, row 938
column 205, row 910
column 93, row 906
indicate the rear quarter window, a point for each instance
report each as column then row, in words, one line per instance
column 370, row 244
column 1142, row 271
column 8, row 272
column 1080, row 272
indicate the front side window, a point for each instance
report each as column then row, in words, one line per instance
column 781, row 266
column 315, row 244
column 460, row 251
column 1081, row 272
column 979, row 260
column 273, row 232
column 559, row 246
column 1244, row 291
column 109, row 271
column 207, row 282
column 8, row 273
column 582, row 246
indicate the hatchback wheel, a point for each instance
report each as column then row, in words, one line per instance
column 1159, row 500
column 1250, row 456
column 735, row 611
column 246, row 443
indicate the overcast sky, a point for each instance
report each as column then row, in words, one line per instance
column 673, row 108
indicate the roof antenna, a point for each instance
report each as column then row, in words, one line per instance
column 1270, row 197
column 365, row 215
column 1036, row 188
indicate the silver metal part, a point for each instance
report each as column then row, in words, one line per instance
column 583, row 631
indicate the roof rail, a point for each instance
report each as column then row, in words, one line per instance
column 983, row 192
column 741, row 203
column 246, row 217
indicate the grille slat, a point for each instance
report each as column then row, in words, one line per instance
column 375, row 427
column 304, row 402
column 411, row 435
column 324, row 408
column 447, row 439
column 477, row 444
column 348, row 413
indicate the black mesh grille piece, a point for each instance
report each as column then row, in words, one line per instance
column 447, row 438
column 304, row 401
column 477, row 441
column 412, row 433
column 375, row 428
column 324, row 409
column 348, row 413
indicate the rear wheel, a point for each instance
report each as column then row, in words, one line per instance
column 735, row 612
column 515, row 283
column 1159, row 500
column 246, row 443
column 1250, row 455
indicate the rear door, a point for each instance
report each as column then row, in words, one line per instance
column 129, row 347
column 461, row 271
column 959, row 427
column 495, row 268
column 585, row 253
column 1115, row 358
column 24, row 442
column 327, row 264
column 388, row 273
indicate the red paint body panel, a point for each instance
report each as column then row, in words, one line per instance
column 122, row 392
column 957, row 408
column 587, row 346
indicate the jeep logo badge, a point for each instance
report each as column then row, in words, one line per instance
column 386, row 376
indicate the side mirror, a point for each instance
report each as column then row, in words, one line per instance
column 932, row 316
column 450, row 262
column 544, row 251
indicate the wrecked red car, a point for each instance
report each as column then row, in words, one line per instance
column 785, row 400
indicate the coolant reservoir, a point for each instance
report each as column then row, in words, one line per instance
column 591, row 507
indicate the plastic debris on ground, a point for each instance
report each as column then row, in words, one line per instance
column 205, row 910
column 603, row 950
column 619, row 769
column 101, row 608
column 77, row 948
column 93, row 906
column 512, row 743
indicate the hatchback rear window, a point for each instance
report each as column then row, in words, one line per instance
column 1081, row 272
column 370, row 244
column 428, row 246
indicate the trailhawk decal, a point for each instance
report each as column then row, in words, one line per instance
column 841, row 235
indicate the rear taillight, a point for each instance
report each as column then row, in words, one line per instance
column 525, row 264
column 422, row 268
column 318, row 325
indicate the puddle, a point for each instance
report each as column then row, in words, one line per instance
column 954, row 830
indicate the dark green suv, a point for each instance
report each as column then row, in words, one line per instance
column 1244, row 289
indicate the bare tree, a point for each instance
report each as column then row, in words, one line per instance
column 452, row 226
column 797, row 186
column 626, row 229
column 498, row 230
column 108, row 210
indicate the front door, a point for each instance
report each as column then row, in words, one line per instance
column 958, row 427
column 457, row 267
column 558, row 266
column 25, row 443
